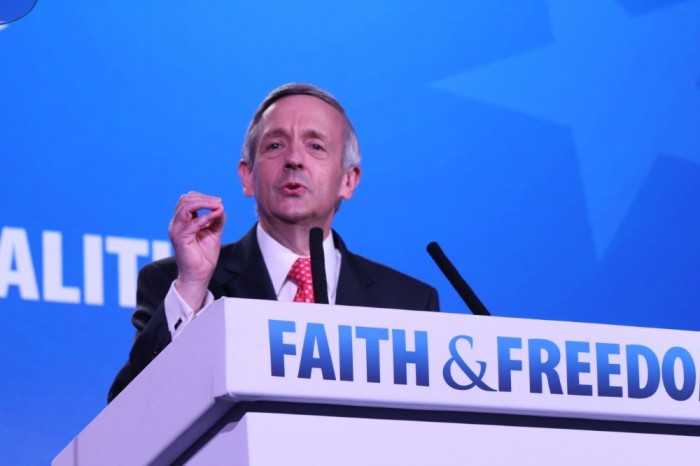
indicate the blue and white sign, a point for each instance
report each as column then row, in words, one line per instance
column 240, row 350
column 454, row 362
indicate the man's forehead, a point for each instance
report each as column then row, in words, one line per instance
column 299, row 105
column 312, row 115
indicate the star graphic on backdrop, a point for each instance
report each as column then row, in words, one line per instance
column 629, row 88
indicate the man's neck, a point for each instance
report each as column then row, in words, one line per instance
column 293, row 237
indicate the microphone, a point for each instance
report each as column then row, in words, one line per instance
column 318, row 266
column 461, row 286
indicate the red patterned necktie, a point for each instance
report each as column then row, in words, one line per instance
column 300, row 274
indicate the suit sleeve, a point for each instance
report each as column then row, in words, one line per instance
column 152, row 334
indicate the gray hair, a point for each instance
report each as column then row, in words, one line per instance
column 351, row 146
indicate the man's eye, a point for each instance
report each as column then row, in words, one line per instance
column 317, row 147
column 273, row 146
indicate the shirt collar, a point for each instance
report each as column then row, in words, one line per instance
column 280, row 259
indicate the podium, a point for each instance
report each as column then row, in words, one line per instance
column 261, row 382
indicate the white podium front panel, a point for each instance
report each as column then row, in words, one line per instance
column 241, row 350
column 455, row 362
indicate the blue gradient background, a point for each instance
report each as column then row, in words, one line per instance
column 551, row 147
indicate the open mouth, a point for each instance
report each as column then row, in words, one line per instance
column 293, row 188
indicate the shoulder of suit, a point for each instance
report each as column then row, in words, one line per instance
column 168, row 266
column 380, row 273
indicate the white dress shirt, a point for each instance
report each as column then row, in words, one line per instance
column 278, row 260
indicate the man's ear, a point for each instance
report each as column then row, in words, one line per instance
column 350, row 182
column 245, row 173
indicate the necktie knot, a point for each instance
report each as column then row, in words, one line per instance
column 300, row 274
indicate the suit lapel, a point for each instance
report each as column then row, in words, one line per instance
column 242, row 272
column 354, row 284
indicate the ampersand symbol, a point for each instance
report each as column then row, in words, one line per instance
column 476, row 380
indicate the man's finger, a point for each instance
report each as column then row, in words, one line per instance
column 192, row 225
column 204, row 221
column 189, row 208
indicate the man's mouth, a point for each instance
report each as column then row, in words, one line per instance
column 292, row 188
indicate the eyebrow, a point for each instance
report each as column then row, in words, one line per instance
column 275, row 133
column 312, row 133
column 307, row 133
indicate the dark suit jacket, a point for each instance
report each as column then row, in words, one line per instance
column 241, row 272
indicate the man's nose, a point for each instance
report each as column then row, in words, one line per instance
column 295, row 157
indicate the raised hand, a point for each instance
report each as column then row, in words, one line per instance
column 196, row 241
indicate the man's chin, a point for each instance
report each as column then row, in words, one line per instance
column 293, row 216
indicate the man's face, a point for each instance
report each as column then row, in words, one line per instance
column 297, row 176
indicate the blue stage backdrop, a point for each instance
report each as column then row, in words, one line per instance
column 551, row 147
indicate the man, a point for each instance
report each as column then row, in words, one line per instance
column 300, row 160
